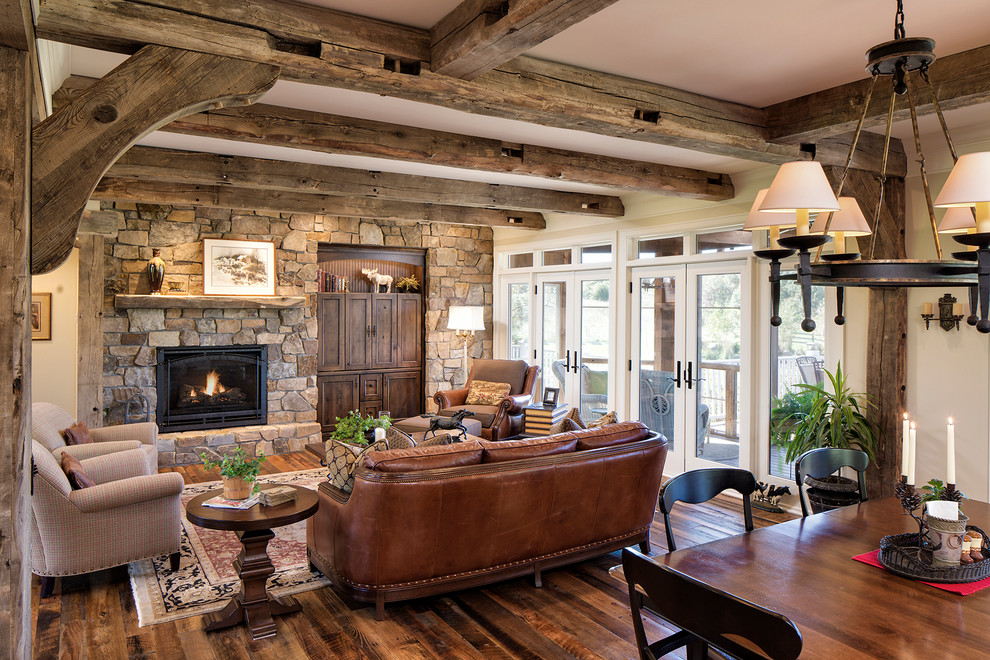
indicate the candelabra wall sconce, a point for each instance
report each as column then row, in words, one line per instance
column 949, row 313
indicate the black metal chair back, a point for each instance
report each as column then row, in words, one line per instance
column 702, row 485
column 818, row 463
column 705, row 616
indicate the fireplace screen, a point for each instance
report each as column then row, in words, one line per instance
column 212, row 387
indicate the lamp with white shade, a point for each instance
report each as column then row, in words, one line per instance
column 847, row 222
column 465, row 320
column 773, row 222
column 800, row 187
column 958, row 220
column 968, row 185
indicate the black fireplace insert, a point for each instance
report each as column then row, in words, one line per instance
column 212, row 387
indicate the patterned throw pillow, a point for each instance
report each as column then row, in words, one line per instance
column 483, row 393
column 397, row 439
column 434, row 440
column 565, row 425
column 610, row 418
column 575, row 416
column 342, row 458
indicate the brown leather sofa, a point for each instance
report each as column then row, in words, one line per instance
column 505, row 419
column 431, row 520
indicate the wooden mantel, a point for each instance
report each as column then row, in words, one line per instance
column 135, row 301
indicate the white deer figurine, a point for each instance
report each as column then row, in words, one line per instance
column 377, row 279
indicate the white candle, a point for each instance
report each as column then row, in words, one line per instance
column 914, row 455
column 379, row 434
column 905, row 445
column 950, row 441
column 926, row 308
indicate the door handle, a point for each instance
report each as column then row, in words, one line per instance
column 575, row 367
column 367, row 331
column 688, row 380
column 677, row 381
column 567, row 364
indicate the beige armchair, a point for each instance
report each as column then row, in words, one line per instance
column 128, row 515
column 505, row 419
column 48, row 421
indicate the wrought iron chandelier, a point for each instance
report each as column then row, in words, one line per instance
column 801, row 188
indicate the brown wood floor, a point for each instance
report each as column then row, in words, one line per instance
column 580, row 612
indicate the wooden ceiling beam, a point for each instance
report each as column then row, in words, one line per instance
column 151, row 164
column 314, row 131
column 960, row 80
column 479, row 35
column 74, row 147
column 524, row 89
column 16, row 24
column 278, row 201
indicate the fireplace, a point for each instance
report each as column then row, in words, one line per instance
column 212, row 387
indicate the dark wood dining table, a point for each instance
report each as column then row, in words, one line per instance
column 846, row 609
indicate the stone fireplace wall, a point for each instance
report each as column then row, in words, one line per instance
column 459, row 271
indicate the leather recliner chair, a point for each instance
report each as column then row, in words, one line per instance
column 498, row 421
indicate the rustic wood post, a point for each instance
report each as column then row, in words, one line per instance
column 886, row 359
column 15, row 356
column 89, row 396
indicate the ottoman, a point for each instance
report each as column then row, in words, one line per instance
column 420, row 425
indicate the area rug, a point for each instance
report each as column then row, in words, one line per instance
column 206, row 578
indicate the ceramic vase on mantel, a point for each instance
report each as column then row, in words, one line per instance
column 236, row 488
column 156, row 272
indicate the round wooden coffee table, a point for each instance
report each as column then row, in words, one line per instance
column 254, row 527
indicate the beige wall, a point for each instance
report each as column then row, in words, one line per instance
column 53, row 363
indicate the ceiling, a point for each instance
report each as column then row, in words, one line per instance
column 756, row 53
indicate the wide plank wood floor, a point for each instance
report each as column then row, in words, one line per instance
column 580, row 612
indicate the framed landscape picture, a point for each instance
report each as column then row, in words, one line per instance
column 238, row 268
column 41, row 316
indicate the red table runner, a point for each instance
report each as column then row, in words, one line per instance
column 963, row 589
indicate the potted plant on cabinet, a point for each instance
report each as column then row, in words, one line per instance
column 834, row 418
column 354, row 429
column 238, row 472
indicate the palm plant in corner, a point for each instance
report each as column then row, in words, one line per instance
column 838, row 418
column 238, row 472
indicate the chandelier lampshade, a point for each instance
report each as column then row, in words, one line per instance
column 800, row 187
column 848, row 221
column 957, row 220
column 969, row 185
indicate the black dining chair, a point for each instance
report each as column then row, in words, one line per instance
column 818, row 463
column 702, row 485
column 706, row 616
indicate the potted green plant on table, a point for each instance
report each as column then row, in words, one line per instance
column 239, row 473
column 835, row 417
column 355, row 429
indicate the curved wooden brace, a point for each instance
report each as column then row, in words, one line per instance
column 74, row 147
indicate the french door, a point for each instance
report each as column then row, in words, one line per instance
column 690, row 339
column 573, row 319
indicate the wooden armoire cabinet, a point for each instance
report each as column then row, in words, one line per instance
column 370, row 344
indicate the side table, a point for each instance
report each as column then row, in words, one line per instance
column 254, row 528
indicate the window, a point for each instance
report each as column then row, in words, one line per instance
column 557, row 257
column 596, row 254
column 522, row 260
column 650, row 248
column 724, row 241
column 796, row 357
column 519, row 321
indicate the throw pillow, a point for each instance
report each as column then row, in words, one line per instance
column 575, row 415
column 397, row 439
column 77, row 434
column 434, row 440
column 74, row 471
column 341, row 459
column 609, row 418
column 483, row 393
column 564, row 425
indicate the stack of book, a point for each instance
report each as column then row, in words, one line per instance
column 539, row 418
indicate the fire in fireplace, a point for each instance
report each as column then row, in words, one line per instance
column 211, row 387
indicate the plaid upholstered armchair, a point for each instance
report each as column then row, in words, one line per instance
column 127, row 515
column 48, row 422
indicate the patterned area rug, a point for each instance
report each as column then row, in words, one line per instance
column 206, row 578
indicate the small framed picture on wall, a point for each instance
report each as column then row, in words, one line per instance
column 550, row 396
column 41, row 316
column 238, row 268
